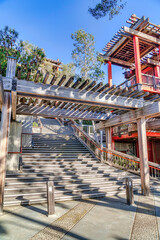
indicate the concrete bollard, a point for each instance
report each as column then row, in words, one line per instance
column 50, row 198
column 129, row 191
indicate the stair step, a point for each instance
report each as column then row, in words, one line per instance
column 64, row 198
column 76, row 172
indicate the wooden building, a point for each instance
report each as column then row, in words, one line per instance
column 137, row 49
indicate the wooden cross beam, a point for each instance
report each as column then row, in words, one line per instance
column 53, row 112
column 153, row 62
column 119, row 62
column 141, row 35
column 149, row 111
column 59, row 93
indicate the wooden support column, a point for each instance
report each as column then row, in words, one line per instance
column 157, row 71
column 11, row 67
column 5, row 123
column 109, row 73
column 108, row 141
column 101, row 142
column 144, row 169
column 137, row 59
column 94, row 130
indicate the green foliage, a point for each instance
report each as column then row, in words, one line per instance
column 110, row 7
column 87, row 122
column 35, row 124
column 31, row 57
column 28, row 56
column 84, row 56
column 9, row 46
column 68, row 69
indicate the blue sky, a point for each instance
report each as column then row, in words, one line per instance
column 49, row 24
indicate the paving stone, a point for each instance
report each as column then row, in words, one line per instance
column 61, row 226
column 145, row 223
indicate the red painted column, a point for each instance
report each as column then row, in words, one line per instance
column 57, row 69
column 156, row 71
column 109, row 73
column 137, row 59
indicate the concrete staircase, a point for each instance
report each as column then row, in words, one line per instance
column 76, row 173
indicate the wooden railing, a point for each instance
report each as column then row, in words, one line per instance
column 147, row 80
column 151, row 81
column 130, row 83
column 113, row 157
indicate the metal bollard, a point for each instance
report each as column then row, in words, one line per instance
column 20, row 164
column 129, row 191
column 50, row 198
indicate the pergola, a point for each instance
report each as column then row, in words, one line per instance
column 109, row 104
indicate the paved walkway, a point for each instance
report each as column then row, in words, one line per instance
column 106, row 218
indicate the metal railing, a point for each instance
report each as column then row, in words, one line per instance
column 113, row 157
column 22, row 141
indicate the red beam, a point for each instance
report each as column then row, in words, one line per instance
column 135, row 135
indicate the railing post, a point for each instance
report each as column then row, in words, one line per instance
column 50, row 198
column 101, row 141
column 11, row 67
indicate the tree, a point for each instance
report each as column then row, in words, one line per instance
column 31, row 57
column 84, row 56
column 110, row 7
column 28, row 56
column 68, row 69
column 9, row 46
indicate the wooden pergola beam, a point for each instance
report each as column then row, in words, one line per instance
column 149, row 111
column 53, row 112
column 56, row 93
column 118, row 62
column 153, row 62
column 151, row 125
column 141, row 35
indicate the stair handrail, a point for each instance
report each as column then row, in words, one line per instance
column 104, row 154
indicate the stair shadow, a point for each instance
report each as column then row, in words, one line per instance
column 77, row 177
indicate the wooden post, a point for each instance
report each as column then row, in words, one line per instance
column 108, row 141
column 137, row 59
column 5, row 123
column 50, row 198
column 94, row 130
column 144, row 169
column 109, row 73
column 11, row 67
column 101, row 142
